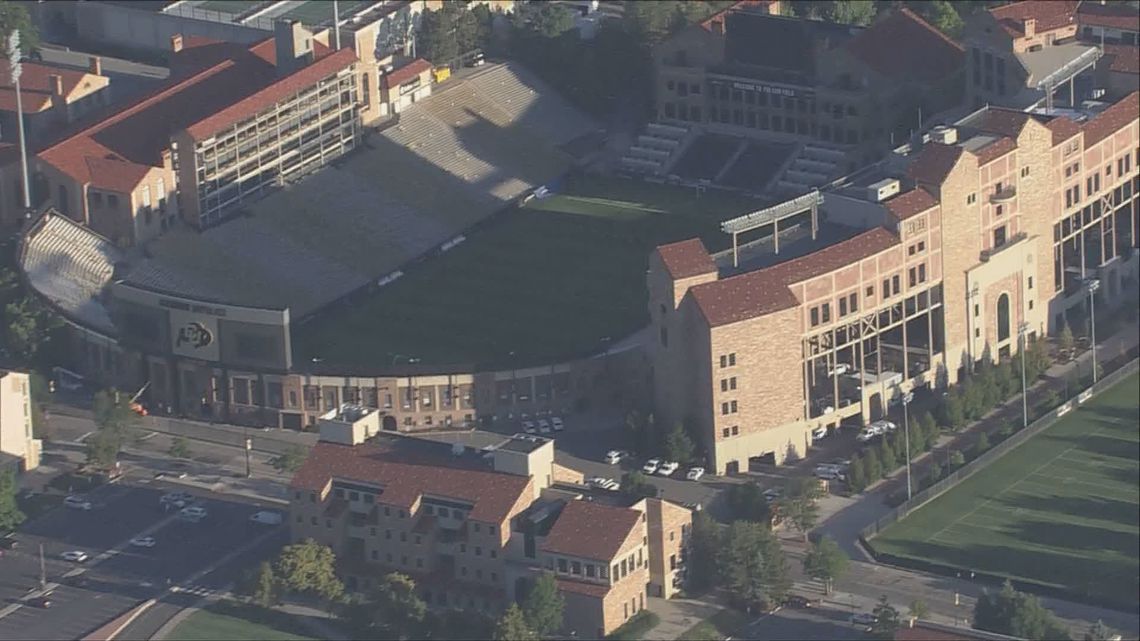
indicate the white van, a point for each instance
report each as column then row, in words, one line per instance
column 266, row 517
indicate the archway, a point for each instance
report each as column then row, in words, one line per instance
column 389, row 423
column 1003, row 322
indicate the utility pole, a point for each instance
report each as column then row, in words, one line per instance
column 248, row 449
column 15, row 69
column 1093, row 285
column 1021, row 332
column 336, row 24
column 43, row 570
column 906, row 399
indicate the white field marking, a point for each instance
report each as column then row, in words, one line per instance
column 1010, row 487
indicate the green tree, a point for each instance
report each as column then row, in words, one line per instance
column 15, row 16
column 918, row 610
column 678, row 446
column 872, row 466
column 747, row 503
column 703, row 571
column 1065, row 340
column 436, row 40
column 957, row 460
column 512, row 626
column 941, row 15
column 1005, row 381
column 857, row 474
column 10, row 514
column 309, row 568
column 543, row 606
column 826, row 562
column 103, row 449
column 982, row 444
column 855, row 12
column 179, row 447
column 953, row 410
column 886, row 620
column 1016, row 614
column 636, row 485
column 396, row 608
column 290, row 460
column 544, row 19
column 1099, row 632
column 113, row 413
column 751, row 562
column 888, row 457
column 799, row 505
column 264, row 591
column 929, row 430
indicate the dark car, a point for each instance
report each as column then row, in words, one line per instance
column 797, row 601
column 41, row 601
column 8, row 543
column 76, row 581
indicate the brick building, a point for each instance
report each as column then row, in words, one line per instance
column 18, row 446
column 231, row 122
column 947, row 248
column 474, row 528
column 752, row 72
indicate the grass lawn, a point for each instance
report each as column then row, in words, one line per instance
column 236, row 622
column 547, row 281
column 1061, row 510
column 636, row 628
column 723, row 624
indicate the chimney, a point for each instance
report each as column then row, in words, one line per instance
column 56, row 82
column 1029, row 27
column 95, row 65
column 294, row 46
column 176, row 42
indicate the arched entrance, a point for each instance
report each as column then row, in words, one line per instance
column 389, row 423
column 1003, row 320
column 876, row 406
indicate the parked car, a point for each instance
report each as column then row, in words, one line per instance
column 529, row 428
column 175, row 499
column 651, row 466
column 143, row 542
column 613, row 457
column 477, row 60
column 266, row 517
column 77, row 503
column 867, row 434
column 603, row 483
column 8, row 543
column 819, row 433
column 556, row 423
column 827, row 472
column 667, row 468
column 884, row 426
column 75, row 556
column 43, row 601
column 192, row 513
column 695, row 473
column 543, row 426
column 797, row 601
column 865, row 619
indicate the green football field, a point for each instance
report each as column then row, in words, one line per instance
column 549, row 281
column 1061, row 509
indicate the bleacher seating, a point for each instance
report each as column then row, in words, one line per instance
column 529, row 102
column 656, row 149
column 814, row 166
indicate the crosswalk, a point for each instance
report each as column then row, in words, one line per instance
column 196, row 589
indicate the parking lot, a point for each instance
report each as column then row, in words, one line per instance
column 117, row 575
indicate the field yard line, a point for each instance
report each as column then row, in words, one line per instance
column 1076, row 480
column 1010, row 487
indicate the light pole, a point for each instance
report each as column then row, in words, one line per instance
column 1022, row 331
column 1093, row 284
column 248, row 449
column 15, row 69
column 906, row 399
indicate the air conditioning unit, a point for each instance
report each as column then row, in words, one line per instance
column 944, row 135
column 882, row 190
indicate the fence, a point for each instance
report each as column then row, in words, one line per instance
column 995, row 453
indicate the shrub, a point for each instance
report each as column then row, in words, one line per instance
column 956, row 460
column 982, row 444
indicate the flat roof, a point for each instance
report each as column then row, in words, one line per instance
column 523, row 443
column 1057, row 63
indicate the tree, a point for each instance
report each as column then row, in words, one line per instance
column 1016, row 614
column 309, row 568
column 544, row 19
column 918, row 609
column 15, row 16
column 1099, row 632
column 290, row 460
column 264, row 592
column 798, row 505
column 930, row 431
column 103, row 449
column 705, row 547
column 179, row 447
column 10, row 514
column 636, row 485
column 543, row 607
column 436, row 40
column 886, row 620
column 396, row 608
column 751, row 562
column 857, row 474
column 747, row 503
column 1004, row 380
column 957, row 460
column 873, row 467
column 512, row 626
column 953, row 410
column 1065, row 340
column 941, row 15
column 888, row 457
column 825, row 561
column 982, row 444
column 678, row 446
column 854, row 12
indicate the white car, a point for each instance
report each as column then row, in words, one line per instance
column 667, row 468
column 193, row 513
column 176, row 499
column 602, row 483
column 884, row 426
column 556, row 423
column 77, row 503
column 613, row 457
column 543, row 426
column 651, row 466
column 819, row 433
column 266, row 517
column 827, row 472
column 75, row 556
column 695, row 473
column 866, row 434
column 528, row 427
column 143, row 542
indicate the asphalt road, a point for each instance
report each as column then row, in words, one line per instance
column 128, row 575
column 815, row 623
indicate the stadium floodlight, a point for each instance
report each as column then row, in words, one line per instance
column 1093, row 284
column 772, row 216
column 15, row 70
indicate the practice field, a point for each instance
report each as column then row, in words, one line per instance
column 234, row 622
column 1061, row 509
column 548, row 281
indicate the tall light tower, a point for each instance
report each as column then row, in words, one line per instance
column 15, row 68
column 1093, row 284
column 1022, row 330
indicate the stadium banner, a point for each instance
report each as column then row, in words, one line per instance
column 194, row 334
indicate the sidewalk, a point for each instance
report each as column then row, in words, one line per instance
column 678, row 615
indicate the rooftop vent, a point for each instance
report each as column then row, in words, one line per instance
column 944, row 135
column 882, row 190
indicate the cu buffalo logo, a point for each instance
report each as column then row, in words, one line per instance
column 194, row 335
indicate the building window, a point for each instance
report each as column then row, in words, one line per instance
column 732, row 405
column 814, row 316
column 895, row 285
column 724, row 433
column 1024, row 172
column 971, row 199
column 999, row 237
column 575, row 568
column 922, row 273
column 826, row 312
column 735, row 430
column 842, row 307
column 886, row 288
column 853, row 302
column 1030, row 282
column 562, row 565
column 724, row 409
column 870, row 291
column 999, row 210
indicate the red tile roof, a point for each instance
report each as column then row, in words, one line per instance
column 405, row 73
column 1004, row 122
column 215, row 96
column 1113, row 16
column 35, row 85
column 910, row 203
column 1112, row 120
column 686, row 258
column 1062, row 128
column 591, row 530
column 765, row 291
column 580, row 587
column 903, row 45
column 405, row 474
column 995, row 150
column 1049, row 14
column 719, row 16
column 1122, row 58
column 934, row 163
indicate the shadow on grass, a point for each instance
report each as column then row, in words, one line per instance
column 1074, row 537
column 1104, row 444
column 1101, row 509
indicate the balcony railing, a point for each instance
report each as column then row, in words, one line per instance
column 1004, row 195
column 1010, row 242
